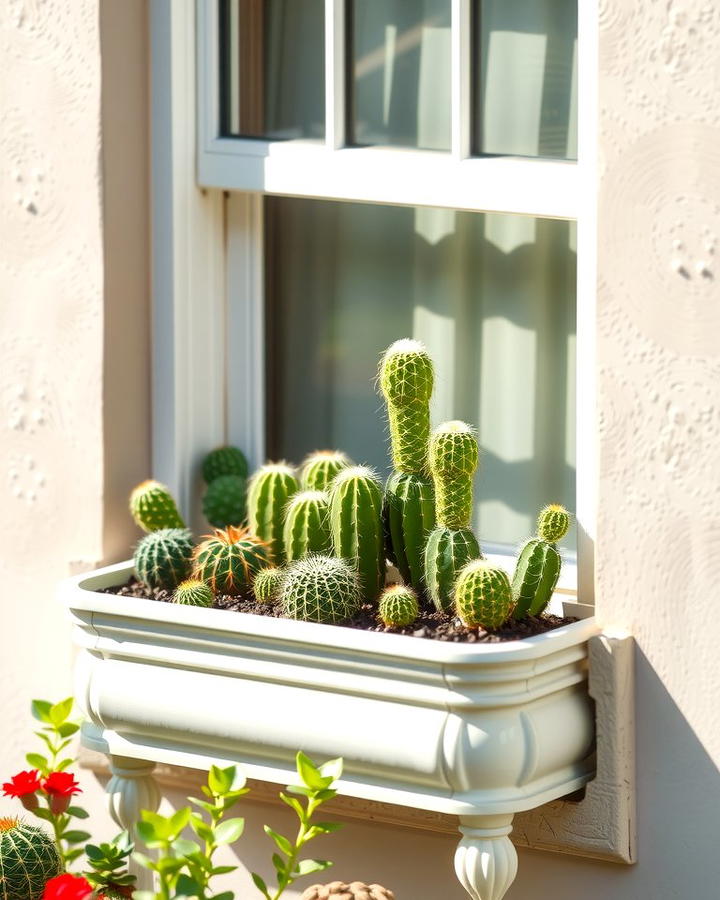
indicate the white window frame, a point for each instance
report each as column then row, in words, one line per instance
column 208, row 233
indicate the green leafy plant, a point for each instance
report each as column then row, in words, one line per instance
column 107, row 872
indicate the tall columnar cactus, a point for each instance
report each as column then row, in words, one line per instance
column 152, row 507
column 307, row 525
column 398, row 606
column 163, row 558
column 193, row 592
column 224, row 501
column 409, row 514
column 229, row 559
column 320, row 589
column 28, row 860
column 319, row 469
column 269, row 491
column 453, row 459
column 357, row 528
column 538, row 566
column 483, row 597
column 224, row 461
column 267, row 584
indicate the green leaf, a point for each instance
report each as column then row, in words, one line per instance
column 282, row 842
column 201, row 828
column 144, row 861
column 94, row 853
column 187, row 885
column 179, row 820
column 78, row 812
column 332, row 768
column 167, row 865
column 41, row 710
column 76, row 837
column 60, row 711
column 259, row 884
column 325, row 828
column 185, row 847
column 68, row 728
column 309, row 774
column 308, row 866
column 203, row 804
column 37, row 761
column 146, row 831
column 223, row 870
column 294, row 804
column 42, row 813
column 70, row 855
column 279, row 864
column 226, row 895
column 220, row 781
column 64, row 764
column 229, row 831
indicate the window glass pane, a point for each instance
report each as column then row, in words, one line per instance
column 400, row 73
column 492, row 297
column 526, row 77
column 272, row 58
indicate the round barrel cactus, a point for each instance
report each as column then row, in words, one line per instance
column 307, row 525
column 553, row 523
column 267, row 584
column 229, row 559
column 269, row 490
column 193, row 592
column 224, row 461
column 152, row 507
column 319, row 469
column 163, row 558
column 409, row 513
column 28, row 860
column 398, row 606
column 483, row 597
column 224, row 501
column 320, row 589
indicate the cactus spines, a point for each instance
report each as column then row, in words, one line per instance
column 28, row 860
column 446, row 552
column 224, row 461
column 357, row 528
column 163, row 558
column 269, row 490
column 538, row 566
column 406, row 380
column 398, row 606
column 319, row 469
column 229, row 559
column 224, row 501
column 267, row 584
column 409, row 511
column 483, row 597
column 320, row 589
column 453, row 457
column 307, row 525
column 193, row 592
column 152, row 507
column 553, row 523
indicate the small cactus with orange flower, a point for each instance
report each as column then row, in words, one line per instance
column 229, row 559
column 28, row 860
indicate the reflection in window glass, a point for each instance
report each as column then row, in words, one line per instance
column 400, row 73
column 492, row 297
column 272, row 55
column 526, row 81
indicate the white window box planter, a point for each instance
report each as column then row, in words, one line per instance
column 478, row 731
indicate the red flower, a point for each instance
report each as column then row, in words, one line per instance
column 60, row 786
column 22, row 784
column 68, row 887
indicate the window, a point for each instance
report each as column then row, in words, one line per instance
column 397, row 167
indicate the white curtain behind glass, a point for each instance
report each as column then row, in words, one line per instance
column 492, row 296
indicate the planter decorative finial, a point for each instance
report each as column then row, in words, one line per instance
column 486, row 861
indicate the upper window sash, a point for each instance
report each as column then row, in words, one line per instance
column 328, row 169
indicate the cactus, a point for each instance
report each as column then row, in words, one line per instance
column 406, row 381
column 357, row 528
column 152, row 507
column 538, row 566
column 224, row 501
column 28, row 860
column 483, row 597
column 228, row 560
column 193, row 592
column 398, row 606
column 319, row 469
column 270, row 489
column 224, row 461
column 409, row 514
column 267, row 584
column 320, row 589
column 163, row 558
column 453, row 459
column 307, row 525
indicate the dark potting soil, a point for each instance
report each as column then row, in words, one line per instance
column 438, row 626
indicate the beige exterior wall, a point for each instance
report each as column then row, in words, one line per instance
column 74, row 395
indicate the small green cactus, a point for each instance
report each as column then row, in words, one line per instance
column 163, row 558
column 28, row 860
column 267, row 584
column 193, row 592
column 224, row 501
column 483, row 598
column 320, row 589
column 224, row 461
column 446, row 552
column 269, row 490
column 307, row 525
column 357, row 527
column 539, row 563
column 406, row 380
column 152, row 507
column 319, row 469
column 398, row 606
column 229, row 559
column 409, row 514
